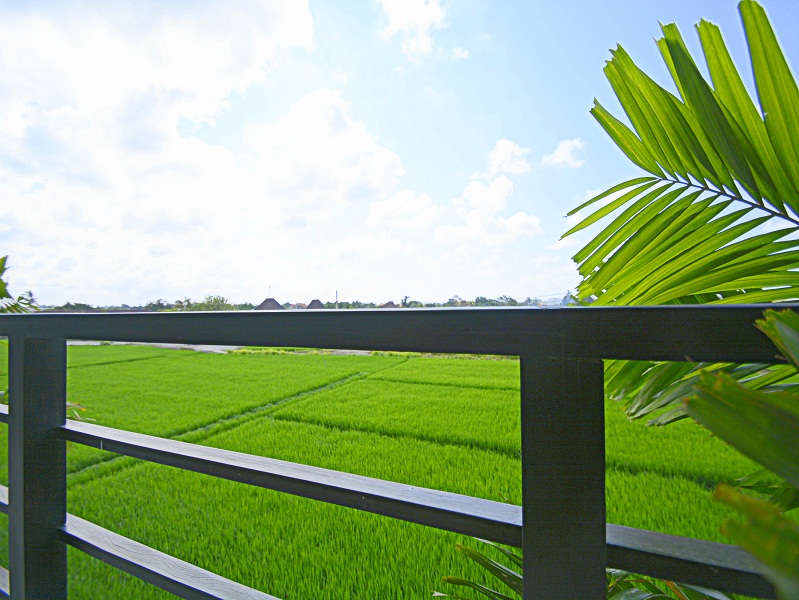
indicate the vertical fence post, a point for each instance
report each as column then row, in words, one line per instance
column 563, row 478
column 37, row 468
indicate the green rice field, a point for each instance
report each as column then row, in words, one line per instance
column 445, row 423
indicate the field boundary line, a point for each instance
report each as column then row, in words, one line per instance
column 442, row 384
column 226, row 423
column 708, row 483
column 218, row 426
column 516, row 453
column 116, row 362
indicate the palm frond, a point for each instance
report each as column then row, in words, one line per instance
column 714, row 221
column 9, row 304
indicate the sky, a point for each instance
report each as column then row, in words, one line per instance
column 374, row 148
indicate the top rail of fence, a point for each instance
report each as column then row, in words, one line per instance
column 699, row 333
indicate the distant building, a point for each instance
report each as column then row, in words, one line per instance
column 316, row 305
column 269, row 304
column 388, row 304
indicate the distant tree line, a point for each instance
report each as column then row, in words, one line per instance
column 207, row 303
column 210, row 303
column 160, row 305
column 456, row 301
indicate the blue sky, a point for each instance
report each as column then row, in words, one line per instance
column 379, row 148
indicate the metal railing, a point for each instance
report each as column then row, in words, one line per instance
column 561, row 528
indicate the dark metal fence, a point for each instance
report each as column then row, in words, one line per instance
column 561, row 527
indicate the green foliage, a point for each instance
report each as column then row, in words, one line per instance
column 621, row 585
column 350, row 304
column 768, row 535
column 211, row 303
column 455, row 301
column 158, row 305
column 271, row 350
column 74, row 307
column 507, row 575
column 763, row 425
column 713, row 221
column 8, row 304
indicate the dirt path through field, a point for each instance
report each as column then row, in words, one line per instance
column 195, row 347
column 199, row 347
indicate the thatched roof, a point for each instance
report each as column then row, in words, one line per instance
column 269, row 304
column 316, row 304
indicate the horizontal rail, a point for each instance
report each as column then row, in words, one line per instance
column 167, row 572
column 443, row 510
column 711, row 564
column 701, row 333
column 686, row 560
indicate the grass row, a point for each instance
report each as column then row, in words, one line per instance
column 487, row 419
column 486, row 374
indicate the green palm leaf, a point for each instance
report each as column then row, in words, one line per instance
column 9, row 304
column 621, row 585
column 714, row 220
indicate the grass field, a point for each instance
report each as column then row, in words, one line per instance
column 449, row 424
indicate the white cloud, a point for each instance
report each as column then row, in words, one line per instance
column 339, row 77
column 479, row 209
column 460, row 53
column 485, row 199
column 316, row 160
column 564, row 155
column 508, row 157
column 185, row 63
column 369, row 247
column 405, row 210
column 94, row 94
column 416, row 20
column 108, row 201
column 112, row 192
column 195, row 218
column 568, row 243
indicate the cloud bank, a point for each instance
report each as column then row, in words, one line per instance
column 564, row 155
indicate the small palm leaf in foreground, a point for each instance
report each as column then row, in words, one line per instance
column 714, row 219
column 621, row 585
column 24, row 304
column 9, row 304
column 765, row 427
column 507, row 575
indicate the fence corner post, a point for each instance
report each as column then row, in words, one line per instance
column 563, row 478
column 37, row 468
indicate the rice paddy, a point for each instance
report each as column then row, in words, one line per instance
column 443, row 423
